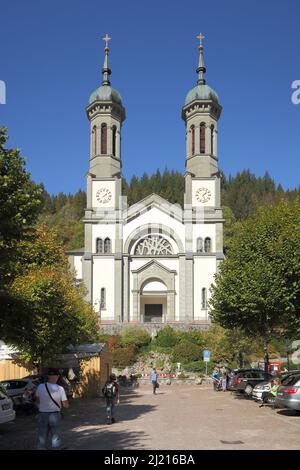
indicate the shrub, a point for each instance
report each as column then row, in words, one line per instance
column 195, row 337
column 199, row 366
column 167, row 337
column 135, row 337
column 186, row 352
column 113, row 342
column 124, row 357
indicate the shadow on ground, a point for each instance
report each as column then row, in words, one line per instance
column 83, row 426
column 292, row 413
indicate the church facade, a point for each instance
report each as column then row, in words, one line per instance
column 151, row 263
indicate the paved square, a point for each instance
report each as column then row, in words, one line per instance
column 178, row 417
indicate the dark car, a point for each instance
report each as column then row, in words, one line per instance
column 246, row 380
column 233, row 378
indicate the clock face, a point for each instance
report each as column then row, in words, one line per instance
column 203, row 195
column 103, row 195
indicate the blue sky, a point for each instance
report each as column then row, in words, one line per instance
column 51, row 60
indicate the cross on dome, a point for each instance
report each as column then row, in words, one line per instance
column 106, row 39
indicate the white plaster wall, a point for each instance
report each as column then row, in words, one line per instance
column 204, row 270
column 104, row 276
column 204, row 230
column 172, row 264
column 155, row 216
column 103, row 231
column 78, row 266
column 154, row 286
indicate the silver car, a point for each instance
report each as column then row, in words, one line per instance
column 16, row 387
column 260, row 389
column 265, row 386
column 288, row 395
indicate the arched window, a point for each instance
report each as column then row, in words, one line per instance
column 114, row 141
column 103, row 298
column 202, row 137
column 207, row 245
column 200, row 245
column 193, row 140
column 107, row 245
column 204, row 298
column 99, row 245
column 103, row 139
column 94, row 141
column 212, row 139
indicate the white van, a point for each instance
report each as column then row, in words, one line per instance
column 7, row 412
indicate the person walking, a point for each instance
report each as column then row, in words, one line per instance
column 112, row 394
column 224, row 379
column 50, row 398
column 216, row 378
column 153, row 379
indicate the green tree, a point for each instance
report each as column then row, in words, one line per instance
column 47, row 314
column 258, row 285
column 20, row 203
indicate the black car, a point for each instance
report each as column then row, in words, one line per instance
column 246, row 380
column 233, row 377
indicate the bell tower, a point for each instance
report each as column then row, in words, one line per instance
column 106, row 115
column 201, row 113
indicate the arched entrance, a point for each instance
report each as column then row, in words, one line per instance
column 153, row 301
column 153, row 284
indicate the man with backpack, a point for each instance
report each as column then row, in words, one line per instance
column 111, row 394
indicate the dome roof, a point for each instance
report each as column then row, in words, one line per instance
column 201, row 92
column 106, row 93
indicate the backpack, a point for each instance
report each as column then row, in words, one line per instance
column 110, row 390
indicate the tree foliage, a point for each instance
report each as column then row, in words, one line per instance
column 257, row 288
column 53, row 315
column 20, row 203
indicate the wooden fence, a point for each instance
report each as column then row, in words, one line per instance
column 10, row 369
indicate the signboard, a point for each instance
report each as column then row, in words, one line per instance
column 206, row 356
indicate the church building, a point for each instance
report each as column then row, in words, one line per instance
column 152, row 263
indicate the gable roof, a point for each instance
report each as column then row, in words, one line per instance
column 151, row 201
column 156, row 263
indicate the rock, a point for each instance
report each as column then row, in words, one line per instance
column 198, row 381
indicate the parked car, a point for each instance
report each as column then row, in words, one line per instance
column 265, row 386
column 16, row 387
column 246, row 380
column 63, row 381
column 7, row 412
column 288, row 394
column 232, row 376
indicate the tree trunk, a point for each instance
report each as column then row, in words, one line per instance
column 266, row 353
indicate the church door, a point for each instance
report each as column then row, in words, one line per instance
column 153, row 313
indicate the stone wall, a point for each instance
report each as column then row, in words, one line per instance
column 116, row 328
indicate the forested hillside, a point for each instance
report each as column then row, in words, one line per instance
column 241, row 196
